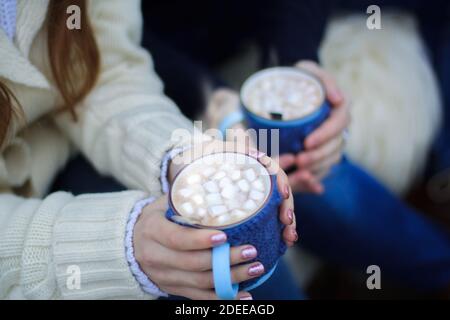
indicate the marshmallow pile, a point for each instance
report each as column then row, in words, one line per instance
column 284, row 95
column 219, row 194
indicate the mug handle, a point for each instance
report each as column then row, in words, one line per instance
column 229, row 121
column 225, row 289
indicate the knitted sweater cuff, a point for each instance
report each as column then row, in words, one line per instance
column 89, row 256
column 146, row 284
column 165, row 185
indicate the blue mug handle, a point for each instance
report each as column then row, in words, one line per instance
column 225, row 289
column 229, row 121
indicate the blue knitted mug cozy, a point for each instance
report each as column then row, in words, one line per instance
column 291, row 133
column 263, row 230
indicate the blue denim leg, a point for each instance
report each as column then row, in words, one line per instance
column 357, row 223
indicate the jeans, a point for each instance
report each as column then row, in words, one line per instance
column 357, row 223
column 80, row 177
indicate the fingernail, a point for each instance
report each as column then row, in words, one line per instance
column 249, row 297
column 286, row 192
column 294, row 233
column 249, row 253
column 218, row 238
column 290, row 215
column 256, row 153
column 260, row 154
column 256, row 270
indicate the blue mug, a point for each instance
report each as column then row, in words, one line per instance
column 262, row 229
column 291, row 133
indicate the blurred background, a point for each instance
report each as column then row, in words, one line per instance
column 391, row 61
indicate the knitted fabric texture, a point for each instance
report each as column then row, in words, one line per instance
column 146, row 284
column 291, row 133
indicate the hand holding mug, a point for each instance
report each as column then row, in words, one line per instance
column 178, row 259
column 324, row 146
column 235, row 191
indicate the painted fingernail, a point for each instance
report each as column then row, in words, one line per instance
column 256, row 153
column 286, row 192
column 218, row 238
column 260, row 154
column 256, row 270
column 246, row 297
column 290, row 214
column 294, row 233
column 249, row 253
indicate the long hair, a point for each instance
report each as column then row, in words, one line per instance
column 74, row 59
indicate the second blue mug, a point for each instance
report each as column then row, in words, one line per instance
column 292, row 132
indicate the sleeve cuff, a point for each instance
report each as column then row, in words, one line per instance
column 165, row 166
column 146, row 284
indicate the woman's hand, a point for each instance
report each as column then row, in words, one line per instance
column 324, row 146
column 178, row 259
column 286, row 209
column 221, row 103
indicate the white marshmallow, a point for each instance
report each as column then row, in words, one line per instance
column 227, row 167
column 225, row 182
column 208, row 171
column 250, row 174
column 187, row 208
column 235, row 175
column 243, row 185
column 293, row 98
column 258, row 185
column 219, row 175
column 233, row 203
column 228, row 192
column 198, row 199
column 238, row 213
column 217, row 210
column 213, row 199
column 211, row 187
column 193, row 179
column 201, row 212
column 249, row 205
column 256, row 195
column 222, row 219
column 197, row 188
column 185, row 192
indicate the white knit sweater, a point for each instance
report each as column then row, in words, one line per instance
column 124, row 129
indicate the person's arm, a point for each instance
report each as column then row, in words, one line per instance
column 126, row 122
column 66, row 247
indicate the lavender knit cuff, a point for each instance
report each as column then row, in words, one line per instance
column 165, row 166
column 146, row 284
